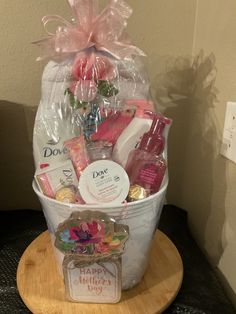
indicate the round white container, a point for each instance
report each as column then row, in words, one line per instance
column 142, row 218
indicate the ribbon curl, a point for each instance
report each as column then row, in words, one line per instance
column 104, row 31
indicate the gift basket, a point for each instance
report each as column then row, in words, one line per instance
column 100, row 150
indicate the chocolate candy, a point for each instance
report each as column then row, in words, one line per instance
column 66, row 195
column 136, row 193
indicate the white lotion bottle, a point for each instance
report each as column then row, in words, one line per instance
column 132, row 134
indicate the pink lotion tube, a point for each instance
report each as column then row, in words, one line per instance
column 146, row 166
column 77, row 153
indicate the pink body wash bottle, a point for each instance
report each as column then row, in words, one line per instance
column 146, row 166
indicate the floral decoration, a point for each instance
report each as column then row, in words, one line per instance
column 91, row 237
column 92, row 75
column 92, row 66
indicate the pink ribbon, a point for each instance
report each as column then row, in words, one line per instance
column 104, row 31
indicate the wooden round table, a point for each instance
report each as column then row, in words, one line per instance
column 42, row 289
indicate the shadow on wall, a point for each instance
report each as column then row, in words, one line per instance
column 17, row 167
column 186, row 93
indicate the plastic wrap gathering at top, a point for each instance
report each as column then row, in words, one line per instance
column 93, row 73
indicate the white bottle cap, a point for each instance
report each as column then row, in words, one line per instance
column 104, row 181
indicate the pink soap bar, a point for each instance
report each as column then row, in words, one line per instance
column 112, row 127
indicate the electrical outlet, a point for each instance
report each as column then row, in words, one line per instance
column 228, row 147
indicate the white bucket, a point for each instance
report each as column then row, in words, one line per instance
column 142, row 218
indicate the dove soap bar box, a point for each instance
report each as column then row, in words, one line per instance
column 52, row 179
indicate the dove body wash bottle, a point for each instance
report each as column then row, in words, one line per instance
column 54, row 119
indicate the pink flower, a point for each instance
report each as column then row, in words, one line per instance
column 74, row 233
column 96, row 229
column 90, row 66
column 84, row 226
column 84, row 90
column 77, row 234
column 101, row 248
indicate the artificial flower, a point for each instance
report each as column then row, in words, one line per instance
column 91, row 66
column 84, row 90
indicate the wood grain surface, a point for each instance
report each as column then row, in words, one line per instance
column 42, row 289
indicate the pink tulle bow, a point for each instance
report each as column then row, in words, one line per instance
column 104, row 30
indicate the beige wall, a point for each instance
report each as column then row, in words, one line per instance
column 194, row 93
column 201, row 181
column 209, row 180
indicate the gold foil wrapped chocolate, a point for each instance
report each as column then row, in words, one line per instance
column 66, row 195
column 136, row 193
